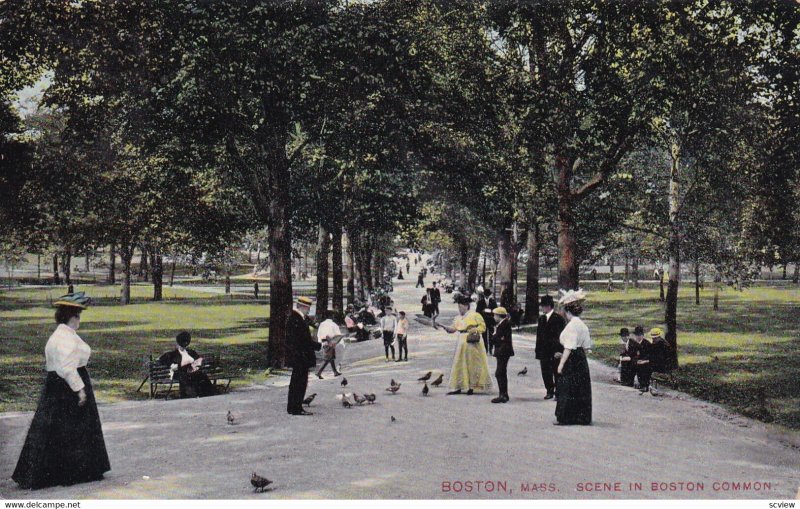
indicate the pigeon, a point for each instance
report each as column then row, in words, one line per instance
column 259, row 482
column 425, row 390
column 393, row 419
column 231, row 418
column 308, row 400
column 393, row 389
column 343, row 398
column 358, row 399
column 393, row 383
column 426, row 377
column 523, row 372
column 370, row 398
column 344, row 382
column 438, row 381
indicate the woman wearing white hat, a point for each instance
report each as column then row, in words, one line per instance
column 574, row 388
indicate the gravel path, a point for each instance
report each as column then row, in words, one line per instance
column 438, row 447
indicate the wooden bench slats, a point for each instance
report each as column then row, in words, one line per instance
column 158, row 374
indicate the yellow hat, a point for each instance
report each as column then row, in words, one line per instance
column 500, row 311
column 305, row 301
column 655, row 332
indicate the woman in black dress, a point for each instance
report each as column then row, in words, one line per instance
column 185, row 364
column 574, row 387
column 65, row 442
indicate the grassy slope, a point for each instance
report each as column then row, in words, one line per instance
column 121, row 337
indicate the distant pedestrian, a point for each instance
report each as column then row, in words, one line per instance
column 485, row 306
column 255, row 289
column 329, row 335
column 436, row 298
column 420, row 280
column 402, row 337
column 400, row 275
column 389, row 330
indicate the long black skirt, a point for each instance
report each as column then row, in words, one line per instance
column 65, row 442
column 574, row 391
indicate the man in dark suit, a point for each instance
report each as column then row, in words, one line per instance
column 436, row 298
column 548, row 347
column 300, row 348
column 485, row 305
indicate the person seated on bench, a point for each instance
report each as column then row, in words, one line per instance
column 627, row 366
column 185, row 364
column 659, row 351
column 639, row 351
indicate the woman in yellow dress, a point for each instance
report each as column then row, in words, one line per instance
column 470, row 371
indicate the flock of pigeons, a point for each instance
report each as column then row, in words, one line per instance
column 260, row 483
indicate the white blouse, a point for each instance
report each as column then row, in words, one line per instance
column 65, row 352
column 576, row 335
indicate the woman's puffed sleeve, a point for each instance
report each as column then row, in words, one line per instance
column 478, row 322
column 65, row 358
column 569, row 337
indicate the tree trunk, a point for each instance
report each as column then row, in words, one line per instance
column 323, row 249
column 506, row 268
column 696, row 283
column 144, row 265
column 280, row 253
column 783, row 277
column 38, row 267
column 635, row 271
column 88, row 268
column 717, row 281
column 483, row 271
column 338, row 290
column 611, row 275
column 368, row 260
column 172, row 270
column 796, row 277
column 674, row 250
column 56, row 275
column 126, row 253
column 473, row 269
column 532, row 286
column 351, row 268
column 661, row 286
column 66, row 266
column 112, row 265
column 157, row 268
column 626, row 276
column 463, row 256
column 568, row 278
column 227, row 282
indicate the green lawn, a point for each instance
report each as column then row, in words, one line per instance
column 745, row 356
column 121, row 337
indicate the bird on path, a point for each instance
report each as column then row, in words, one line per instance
column 358, row 399
column 343, row 398
column 370, row 398
column 344, row 382
column 393, row 419
column 393, row 389
column 393, row 383
column 523, row 372
column 438, row 381
column 426, row 377
column 425, row 390
column 308, row 400
column 259, row 482
column 231, row 418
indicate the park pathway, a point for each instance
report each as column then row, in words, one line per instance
column 185, row 449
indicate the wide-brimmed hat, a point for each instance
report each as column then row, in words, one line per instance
column 570, row 296
column 183, row 339
column 656, row 332
column 460, row 298
column 500, row 311
column 304, row 301
column 75, row 300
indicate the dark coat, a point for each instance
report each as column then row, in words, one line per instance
column 501, row 339
column 485, row 307
column 436, row 296
column 300, row 346
column 548, row 333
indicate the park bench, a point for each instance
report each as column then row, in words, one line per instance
column 159, row 374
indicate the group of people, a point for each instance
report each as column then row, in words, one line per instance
column 431, row 300
column 561, row 346
column 640, row 357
